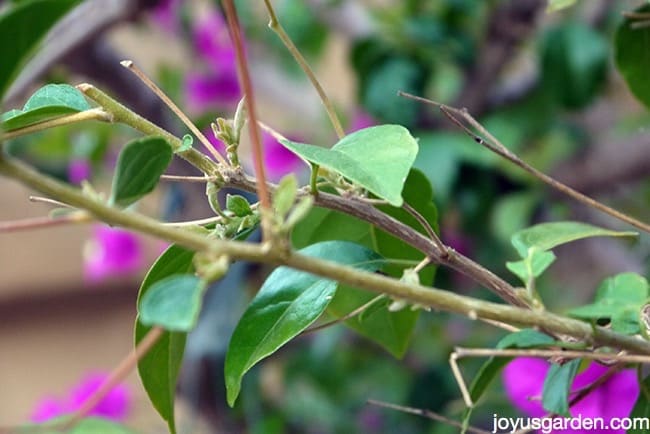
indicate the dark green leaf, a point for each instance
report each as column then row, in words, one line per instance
column 138, row 170
column 288, row 302
column 391, row 330
column 574, row 63
column 555, row 397
column 632, row 59
column 159, row 368
column 238, row 205
column 376, row 158
column 173, row 303
column 525, row 338
column 546, row 236
column 620, row 299
column 49, row 102
column 21, row 28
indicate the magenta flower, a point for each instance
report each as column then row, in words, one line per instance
column 114, row 406
column 112, row 252
column 165, row 14
column 523, row 380
column 219, row 85
column 278, row 160
column 78, row 170
column 361, row 120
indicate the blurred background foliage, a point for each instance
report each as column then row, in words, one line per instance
column 544, row 83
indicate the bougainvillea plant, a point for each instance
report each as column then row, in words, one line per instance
column 358, row 243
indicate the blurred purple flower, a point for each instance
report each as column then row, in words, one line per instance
column 114, row 406
column 112, row 252
column 78, row 170
column 361, row 120
column 523, row 380
column 48, row 408
column 165, row 14
column 219, row 84
column 279, row 160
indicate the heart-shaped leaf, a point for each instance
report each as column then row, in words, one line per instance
column 288, row 302
column 377, row 158
column 138, row 170
column 159, row 367
column 22, row 26
column 531, row 266
column 620, row 299
column 632, row 47
column 49, row 102
column 546, row 236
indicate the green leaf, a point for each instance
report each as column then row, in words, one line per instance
column 288, row 302
column 49, row 102
column 159, row 368
column 531, row 266
column 285, row 195
column 391, row 330
column 632, row 46
column 188, row 141
column 546, row 236
column 619, row 298
column 139, row 166
column 574, row 63
column 557, row 385
column 525, row 338
column 93, row 425
column 556, row 5
column 238, row 205
column 21, row 28
column 641, row 410
column 376, row 158
column 173, row 303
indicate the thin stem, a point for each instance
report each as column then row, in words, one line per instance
column 43, row 222
column 545, row 354
column 116, row 376
column 425, row 413
column 494, row 145
column 128, row 64
column 204, row 221
column 180, row 178
column 423, row 263
column 275, row 25
column 119, row 113
column 355, row 312
column 95, row 114
column 49, row 201
column 425, row 224
column 247, row 86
